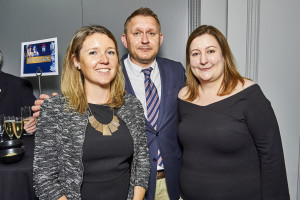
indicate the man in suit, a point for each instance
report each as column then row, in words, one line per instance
column 143, row 38
column 15, row 92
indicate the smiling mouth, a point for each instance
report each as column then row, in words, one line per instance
column 205, row 69
column 102, row 70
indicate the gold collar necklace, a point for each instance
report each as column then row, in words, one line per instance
column 105, row 129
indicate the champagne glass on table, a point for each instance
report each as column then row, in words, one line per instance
column 1, row 127
column 8, row 124
column 25, row 114
column 18, row 127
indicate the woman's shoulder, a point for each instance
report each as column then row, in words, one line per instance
column 248, row 83
column 183, row 93
column 130, row 99
column 132, row 112
column 242, row 86
column 131, row 103
column 252, row 91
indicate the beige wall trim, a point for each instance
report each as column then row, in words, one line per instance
column 194, row 15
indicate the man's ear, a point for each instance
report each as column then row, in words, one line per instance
column 124, row 40
column 161, row 38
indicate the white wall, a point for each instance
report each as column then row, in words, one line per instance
column 214, row 12
column 278, row 74
column 237, row 32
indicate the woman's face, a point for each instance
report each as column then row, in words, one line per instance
column 98, row 60
column 206, row 59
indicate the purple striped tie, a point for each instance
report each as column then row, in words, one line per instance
column 152, row 101
column 152, row 98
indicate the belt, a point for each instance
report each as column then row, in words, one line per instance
column 160, row 174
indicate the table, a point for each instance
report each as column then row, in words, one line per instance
column 16, row 180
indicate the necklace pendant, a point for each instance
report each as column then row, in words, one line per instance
column 98, row 126
column 106, row 130
column 112, row 127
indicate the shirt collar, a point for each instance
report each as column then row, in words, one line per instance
column 137, row 70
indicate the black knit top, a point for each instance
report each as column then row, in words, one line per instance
column 106, row 159
column 232, row 149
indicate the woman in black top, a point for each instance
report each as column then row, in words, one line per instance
column 230, row 137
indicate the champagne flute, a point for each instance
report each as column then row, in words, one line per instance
column 18, row 127
column 8, row 124
column 1, row 127
column 25, row 114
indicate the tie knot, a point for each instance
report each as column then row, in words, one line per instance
column 147, row 72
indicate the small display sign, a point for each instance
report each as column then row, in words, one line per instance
column 39, row 56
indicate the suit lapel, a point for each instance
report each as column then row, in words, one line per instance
column 128, row 86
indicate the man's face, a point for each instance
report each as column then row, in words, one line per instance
column 143, row 40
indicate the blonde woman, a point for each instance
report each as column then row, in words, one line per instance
column 91, row 141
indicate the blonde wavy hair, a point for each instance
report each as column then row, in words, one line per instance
column 72, row 80
column 231, row 75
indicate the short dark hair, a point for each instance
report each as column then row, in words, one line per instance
column 141, row 11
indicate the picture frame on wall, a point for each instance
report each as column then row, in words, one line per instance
column 39, row 57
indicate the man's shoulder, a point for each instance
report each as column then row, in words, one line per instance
column 167, row 61
column 170, row 65
column 9, row 76
column 12, row 79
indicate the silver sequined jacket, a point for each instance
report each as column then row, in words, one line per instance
column 57, row 165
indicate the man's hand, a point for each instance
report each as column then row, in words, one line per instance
column 37, row 104
column 63, row 198
column 30, row 126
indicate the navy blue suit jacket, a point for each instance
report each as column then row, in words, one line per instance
column 172, row 76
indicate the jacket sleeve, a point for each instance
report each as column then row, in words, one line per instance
column 183, row 73
column 27, row 96
column 142, row 155
column 262, row 123
column 46, row 166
